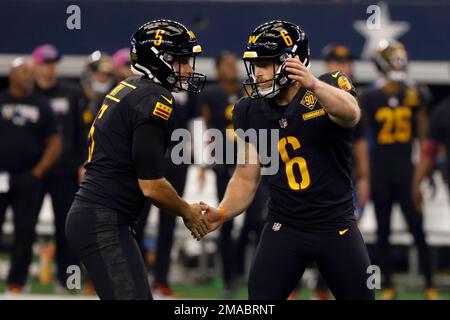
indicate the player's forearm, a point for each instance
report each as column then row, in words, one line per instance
column 238, row 196
column 423, row 168
column 339, row 104
column 422, row 124
column 362, row 159
column 163, row 195
column 50, row 155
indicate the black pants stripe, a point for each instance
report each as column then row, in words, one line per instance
column 282, row 256
column 103, row 240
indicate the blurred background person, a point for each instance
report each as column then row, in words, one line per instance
column 121, row 64
column 97, row 80
column 61, row 182
column 395, row 111
column 338, row 57
column 30, row 145
column 216, row 103
column 438, row 141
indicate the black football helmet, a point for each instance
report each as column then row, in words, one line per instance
column 98, row 61
column 277, row 40
column 391, row 59
column 154, row 48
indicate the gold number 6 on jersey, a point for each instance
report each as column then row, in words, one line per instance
column 289, row 164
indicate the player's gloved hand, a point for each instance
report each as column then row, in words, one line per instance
column 214, row 215
column 196, row 222
column 298, row 72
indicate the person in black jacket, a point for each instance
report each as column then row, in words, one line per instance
column 61, row 182
column 30, row 145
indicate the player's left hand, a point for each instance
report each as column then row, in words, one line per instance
column 298, row 72
column 213, row 215
column 196, row 222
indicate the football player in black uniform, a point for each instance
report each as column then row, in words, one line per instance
column 176, row 174
column 339, row 57
column 128, row 140
column 438, row 139
column 311, row 212
column 395, row 112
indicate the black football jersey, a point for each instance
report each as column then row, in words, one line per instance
column 111, row 178
column 312, row 188
column 391, row 122
column 221, row 105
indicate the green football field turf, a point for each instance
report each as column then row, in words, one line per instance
column 213, row 291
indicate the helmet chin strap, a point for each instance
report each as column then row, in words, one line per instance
column 142, row 73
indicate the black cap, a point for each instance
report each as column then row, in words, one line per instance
column 337, row 52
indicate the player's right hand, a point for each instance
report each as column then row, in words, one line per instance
column 196, row 222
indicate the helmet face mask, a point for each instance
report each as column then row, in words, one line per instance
column 98, row 72
column 158, row 50
column 277, row 41
column 193, row 82
column 391, row 60
column 257, row 88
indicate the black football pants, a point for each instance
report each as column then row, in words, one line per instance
column 103, row 240
column 283, row 253
column 387, row 189
column 23, row 197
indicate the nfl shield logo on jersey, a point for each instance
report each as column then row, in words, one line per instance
column 276, row 226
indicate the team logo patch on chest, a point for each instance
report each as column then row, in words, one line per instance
column 309, row 100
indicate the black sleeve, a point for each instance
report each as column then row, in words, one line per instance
column 358, row 131
column 339, row 80
column 154, row 109
column 436, row 126
column 148, row 151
